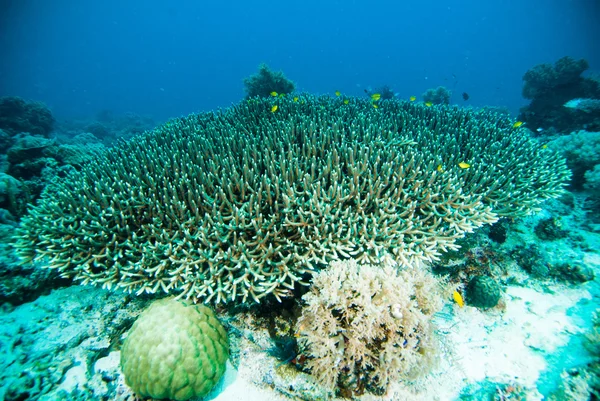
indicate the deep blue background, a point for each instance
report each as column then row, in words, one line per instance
column 169, row 58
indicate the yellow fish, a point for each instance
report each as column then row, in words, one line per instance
column 375, row 106
column 281, row 95
column 274, row 109
column 346, row 101
column 338, row 93
column 298, row 332
column 273, row 93
column 458, row 299
column 428, row 104
column 439, row 168
column 544, row 146
column 412, row 98
column 376, row 96
column 464, row 165
column 295, row 98
column 517, row 124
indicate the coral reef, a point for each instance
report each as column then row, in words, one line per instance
column 582, row 151
column 266, row 81
column 591, row 106
column 174, row 350
column 550, row 87
column 363, row 327
column 32, row 161
column 439, row 95
column 17, row 115
column 543, row 79
column 592, row 181
column 499, row 231
column 385, row 92
column 61, row 345
column 529, row 257
column 107, row 129
column 236, row 205
column 6, row 141
column 29, row 155
column 550, row 229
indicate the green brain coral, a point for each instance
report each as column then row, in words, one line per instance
column 242, row 203
column 483, row 292
column 175, row 351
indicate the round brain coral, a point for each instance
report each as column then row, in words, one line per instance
column 483, row 292
column 174, row 351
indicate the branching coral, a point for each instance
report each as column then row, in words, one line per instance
column 365, row 326
column 242, row 203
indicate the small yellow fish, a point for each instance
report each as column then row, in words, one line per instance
column 295, row 98
column 517, row 124
column 274, row 109
column 458, row 299
column 428, row 104
column 464, row 165
column 375, row 106
column 281, row 95
column 412, row 98
column 376, row 96
column 544, row 146
column 439, row 168
column 338, row 93
column 273, row 93
column 346, row 101
column 298, row 332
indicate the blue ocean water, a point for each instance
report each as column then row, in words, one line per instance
column 165, row 59
column 161, row 60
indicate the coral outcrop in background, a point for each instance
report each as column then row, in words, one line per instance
column 550, row 87
column 267, row 82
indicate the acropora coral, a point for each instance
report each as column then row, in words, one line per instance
column 243, row 203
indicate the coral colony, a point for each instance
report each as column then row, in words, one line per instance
column 235, row 205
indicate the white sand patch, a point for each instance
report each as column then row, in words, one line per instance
column 504, row 346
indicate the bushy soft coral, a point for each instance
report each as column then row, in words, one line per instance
column 266, row 81
column 439, row 95
column 365, row 326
